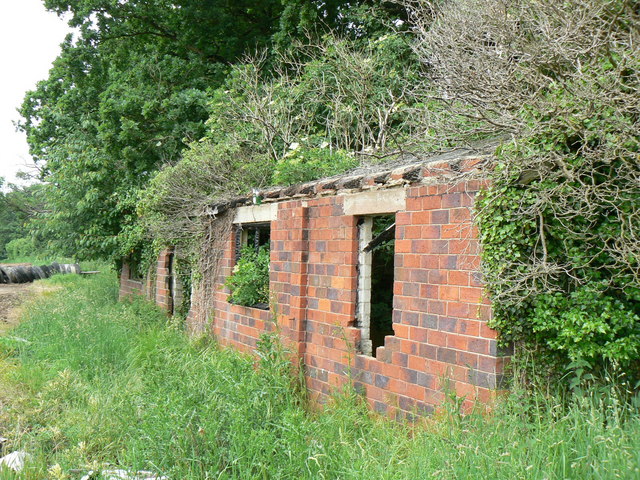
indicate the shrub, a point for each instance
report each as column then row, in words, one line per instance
column 307, row 162
column 249, row 283
column 21, row 248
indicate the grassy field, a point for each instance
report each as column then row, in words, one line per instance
column 86, row 381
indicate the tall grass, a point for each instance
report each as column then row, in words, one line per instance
column 99, row 382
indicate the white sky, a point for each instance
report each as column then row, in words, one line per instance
column 30, row 38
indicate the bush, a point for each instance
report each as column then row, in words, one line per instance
column 306, row 163
column 249, row 283
column 21, row 248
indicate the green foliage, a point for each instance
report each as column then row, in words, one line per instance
column 304, row 163
column 249, row 282
column 17, row 206
column 305, row 115
column 21, row 247
column 128, row 94
column 547, row 250
column 559, row 225
column 86, row 381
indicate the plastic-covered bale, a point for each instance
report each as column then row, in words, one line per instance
column 4, row 278
column 20, row 275
column 38, row 273
column 55, row 266
column 46, row 269
column 70, row 268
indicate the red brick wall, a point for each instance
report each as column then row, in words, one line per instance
column 129, row 286
column 155, row 286
column 441, row 342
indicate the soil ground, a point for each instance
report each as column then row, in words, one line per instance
column 11, row 297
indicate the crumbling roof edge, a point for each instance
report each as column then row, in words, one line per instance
column 442, row 168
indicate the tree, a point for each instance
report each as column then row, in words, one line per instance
column 130, row 91
column 17, row 206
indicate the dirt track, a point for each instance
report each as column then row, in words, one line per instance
column 11, row 296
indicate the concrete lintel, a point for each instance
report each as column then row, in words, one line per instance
column 256, row 213
column 375, row 202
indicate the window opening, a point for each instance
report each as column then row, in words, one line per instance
column 171, row 282
column 375, row 280
column 135, row 272
column 249, row 282
column 255, row 235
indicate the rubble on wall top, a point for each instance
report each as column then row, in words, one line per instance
column 406, row 170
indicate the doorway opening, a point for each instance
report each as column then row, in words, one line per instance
column 375, row 280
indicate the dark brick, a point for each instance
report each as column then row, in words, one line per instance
column 340, row 368
column 407, row 404
column 440, row 216
column 359, row 388
column 428, row 321
column 365, row 377
column 428, row 351
column 447, row 355
column 411, row 318
column 425, row 380
column 424, row 409
column 447, row 324
column 381, row 381
column 402, row 359
column 380, row 407
column 483, row 379
column 410, row 376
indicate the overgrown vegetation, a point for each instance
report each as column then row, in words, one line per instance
column 87, row 381
column 131, row 89
column 229, row 98
column 559, row 226
column 249, row 282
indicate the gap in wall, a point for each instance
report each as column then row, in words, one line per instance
column 382, row 277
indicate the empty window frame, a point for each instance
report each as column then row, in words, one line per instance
column 253, row 235
column 135, row 270
column 376, row 252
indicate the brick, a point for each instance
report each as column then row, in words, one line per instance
column 447, row 355
column 447, row 324
column 458, row 342
column 438, row 277
column 381, row 381
column 487, row 332
column 449, row 293
column 451, row 200
column 458, row 310
column 471, row 294
column 432, row 202
column 439, row 216
column 436, row 337
column 430, row 232
column 458, row 278
column 422, row 218
column 468, row 327
column 430, row 261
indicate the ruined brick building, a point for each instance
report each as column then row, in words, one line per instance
column 405, row 329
